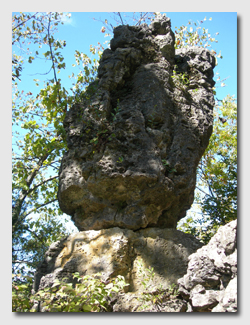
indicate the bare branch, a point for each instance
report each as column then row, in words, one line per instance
column 120, row 17
column 22, row 262
column 140, row 20
column 198, row 188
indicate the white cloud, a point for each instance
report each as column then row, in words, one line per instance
column 68, row 20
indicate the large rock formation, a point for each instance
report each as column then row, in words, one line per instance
column 136, row 139
column 210, row 283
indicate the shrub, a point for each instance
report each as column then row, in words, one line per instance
column 89, row 294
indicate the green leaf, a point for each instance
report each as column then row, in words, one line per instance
column 31, row 58
column 87, row 308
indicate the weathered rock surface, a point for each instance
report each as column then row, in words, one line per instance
column 207, row 283
column 131, row 302
column 118, row 251
column 136, row 139
column 210, row 283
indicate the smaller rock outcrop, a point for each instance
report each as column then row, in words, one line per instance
column 117, row 251
column 207, row 283
column 210, row 284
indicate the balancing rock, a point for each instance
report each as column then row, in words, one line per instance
column 136, row 138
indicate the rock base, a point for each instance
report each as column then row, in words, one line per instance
column 123, row 252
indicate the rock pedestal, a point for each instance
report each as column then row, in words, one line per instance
column 136, row 138
column 206, row 275
column 117, row 251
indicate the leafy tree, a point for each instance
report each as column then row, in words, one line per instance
column 39, row 143
column 38, row 133
column 216, row 189
column 216, row 192
column 194, row 35
column 21, row 293
column 29, row 29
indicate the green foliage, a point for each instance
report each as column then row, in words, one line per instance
column 166, row 164
column 89, row 294
column 120, row 159
column 151, row 122
column 36, row 28
column 158, row 295
column 194, row 35
column 31, row 241
column 217, row 176
column 21, row 293
column 147, row 276
column 115, row 111
column 218, row 167
column 87, row 74
column 180, row 80
column 38, row 143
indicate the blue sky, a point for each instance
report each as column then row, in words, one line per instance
column 81, row 31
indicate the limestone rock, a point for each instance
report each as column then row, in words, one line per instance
column 228, row 300
column 210, row 283
column 117, row 251
column 135, row 140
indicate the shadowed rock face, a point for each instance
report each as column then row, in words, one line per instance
column 135, row 141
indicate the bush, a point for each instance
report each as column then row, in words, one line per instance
column 89, row 294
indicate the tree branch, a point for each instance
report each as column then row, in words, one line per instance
column 19, row 202
column 139, row 21
column 34, row 234
column 52, row 59
column 43, row 182
column 35, row 209
column 23, row 261
column 24, row 22
column 120, row 17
